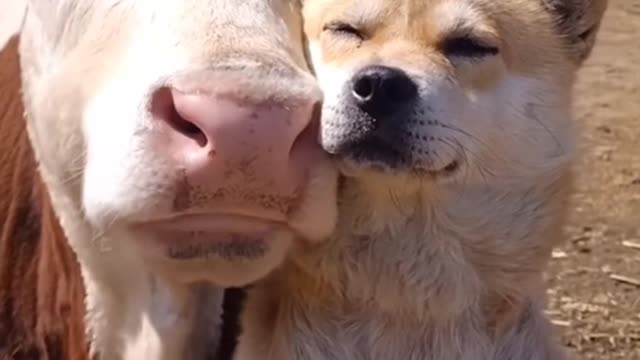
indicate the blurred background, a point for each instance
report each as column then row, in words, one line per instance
column 595, row 277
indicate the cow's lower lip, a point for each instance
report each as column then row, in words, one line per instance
column 190, row 236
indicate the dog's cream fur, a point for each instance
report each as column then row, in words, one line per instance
column 88, row 70
column 437, row 267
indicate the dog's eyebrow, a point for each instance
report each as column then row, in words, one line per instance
column 460, row 27
column 463, row 20
column 463, row 27
column 363, row 15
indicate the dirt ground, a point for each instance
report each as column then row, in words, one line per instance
column 595, row 277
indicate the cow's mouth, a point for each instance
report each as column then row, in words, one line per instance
column 205, row 236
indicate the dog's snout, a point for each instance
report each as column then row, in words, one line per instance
column 381, row 90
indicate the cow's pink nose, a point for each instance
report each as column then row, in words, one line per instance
column 222, row 141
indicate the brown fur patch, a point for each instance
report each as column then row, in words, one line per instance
column 41, row 289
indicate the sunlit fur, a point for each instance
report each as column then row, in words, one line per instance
column 448, row 266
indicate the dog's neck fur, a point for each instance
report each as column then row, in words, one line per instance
column 417, row 276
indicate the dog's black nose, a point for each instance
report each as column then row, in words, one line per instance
column 381, row 90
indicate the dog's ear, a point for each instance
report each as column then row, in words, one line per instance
column 578, row 21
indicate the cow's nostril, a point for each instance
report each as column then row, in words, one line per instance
column 186, row 127
column 164, row 109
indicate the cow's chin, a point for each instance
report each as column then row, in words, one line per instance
column 219, row 249
column 228, row 242
column 216, row 253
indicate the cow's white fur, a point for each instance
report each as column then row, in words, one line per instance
column 10, row 19
column 88, row 70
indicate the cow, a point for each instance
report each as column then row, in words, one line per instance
column 41, row 292
column 168, row 150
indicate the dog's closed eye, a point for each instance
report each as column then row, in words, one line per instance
column 468, row 47
column 343, row 29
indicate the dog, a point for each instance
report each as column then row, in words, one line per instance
column 450, row 122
